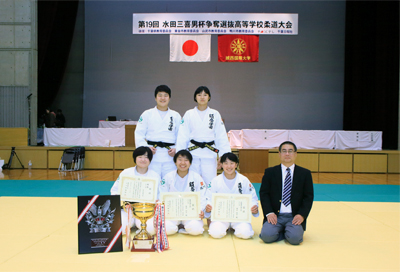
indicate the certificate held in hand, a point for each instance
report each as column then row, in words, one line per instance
column 181, row 205
column 138, row 189
column 231, row 207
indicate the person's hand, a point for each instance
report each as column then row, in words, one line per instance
column 153, row 149
column 272, row 218
column 172, row 152
column 254, row 209
column 201, row 215
column 297, row 220
column 208, row 208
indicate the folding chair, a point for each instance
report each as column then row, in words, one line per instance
column 72, row 159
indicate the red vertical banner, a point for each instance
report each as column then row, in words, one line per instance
column 238, row 48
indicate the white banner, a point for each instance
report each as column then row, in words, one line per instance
column 216, row 23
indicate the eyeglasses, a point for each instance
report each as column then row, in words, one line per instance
column 290, row 151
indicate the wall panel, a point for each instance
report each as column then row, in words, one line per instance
column 370, row 163
column 303, row 72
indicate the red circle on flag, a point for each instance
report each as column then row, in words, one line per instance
column 190, row 48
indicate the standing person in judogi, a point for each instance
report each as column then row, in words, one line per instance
column 142, row 157
column 158, row 128
column 231, row 182
column 203, row 133
column 185, row 180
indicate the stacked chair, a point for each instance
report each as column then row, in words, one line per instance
column 73, row 159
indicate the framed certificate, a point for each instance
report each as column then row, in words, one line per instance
column 231, row 207
column 181, row 205
column 99, row 224
column 138, row 189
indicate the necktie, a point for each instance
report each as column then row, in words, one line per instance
column 287, row 188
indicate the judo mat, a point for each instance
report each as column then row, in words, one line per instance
column 350, row 228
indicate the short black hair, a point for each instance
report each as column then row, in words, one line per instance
column 183, row 153
column 142, row 150
column 230, row 156
column 289, row 143
column 162, row 88
column 199, row 90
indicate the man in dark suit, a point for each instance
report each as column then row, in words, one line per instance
column 286, row 196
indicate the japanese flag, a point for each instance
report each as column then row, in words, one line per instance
column 190, row 48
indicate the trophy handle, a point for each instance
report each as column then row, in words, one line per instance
column 124, row 205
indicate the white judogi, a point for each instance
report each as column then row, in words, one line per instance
column 115, row 191
column 153, row 127
column 194, row 183
column 242, row 185
column 210, row 128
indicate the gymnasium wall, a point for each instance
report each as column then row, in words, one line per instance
column 297, row 83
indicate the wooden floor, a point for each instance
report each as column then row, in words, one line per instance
column 110, row 175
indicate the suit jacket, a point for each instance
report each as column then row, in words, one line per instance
column 302, row 194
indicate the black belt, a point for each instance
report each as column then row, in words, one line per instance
column 203, row 145
column 160, row 144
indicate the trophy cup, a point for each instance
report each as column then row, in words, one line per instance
column 142, row 241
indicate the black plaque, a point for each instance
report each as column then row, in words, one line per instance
column 99, row 224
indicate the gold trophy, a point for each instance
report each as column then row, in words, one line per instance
column 142, row 241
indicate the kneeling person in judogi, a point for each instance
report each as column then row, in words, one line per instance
column 185, row 180
column 142, row 157
column 231, row 182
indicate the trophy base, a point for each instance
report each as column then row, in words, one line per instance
column 146, row 245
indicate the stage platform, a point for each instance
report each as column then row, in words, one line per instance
column 252, row 161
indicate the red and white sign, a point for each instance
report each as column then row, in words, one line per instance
column 190, row 48
column 238, row 48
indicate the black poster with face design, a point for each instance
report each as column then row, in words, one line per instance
column 99, row 224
